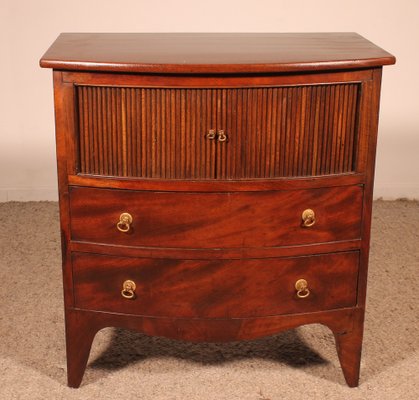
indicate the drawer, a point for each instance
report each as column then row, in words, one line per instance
column 215, row 289
column 215, row 220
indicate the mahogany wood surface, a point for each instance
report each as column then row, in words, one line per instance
column 297, row 134
column 216, row 244
column 271, row 131
column 194, row 53
column 181, row 253
column 213, row 288
column 82, row 326
column 216, row 220
column 349, row 347
column 230, row 185
column 214, row 81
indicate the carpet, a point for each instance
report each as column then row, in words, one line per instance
column 297, row 364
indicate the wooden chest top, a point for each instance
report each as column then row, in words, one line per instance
column 195, row 53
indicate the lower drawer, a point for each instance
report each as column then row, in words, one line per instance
column 215, row 288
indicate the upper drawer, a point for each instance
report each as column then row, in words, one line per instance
column 215, row 220
column 270, row 132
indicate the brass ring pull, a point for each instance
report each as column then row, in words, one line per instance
column 124, row 223
column 211, row 134
column 128, row 289
column 222, row 137
column 301, row 286
column 308, row 217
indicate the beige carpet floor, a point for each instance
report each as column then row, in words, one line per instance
column 299, row 364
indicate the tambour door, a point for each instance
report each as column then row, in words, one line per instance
column 289, row 131
column 258, row 132
column 146, row 132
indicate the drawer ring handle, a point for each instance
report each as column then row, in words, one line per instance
column 222, row 137
column 302, row 289
column 211, row 134
column 124, row 223
column 308, row 217
column 128, row 289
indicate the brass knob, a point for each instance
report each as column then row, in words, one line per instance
column 128, row 289
column 308, row 217
column 211, row 134
column 301, row 286
column 222, row 137
column 124, row 223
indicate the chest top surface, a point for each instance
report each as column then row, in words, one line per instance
column 213, row 52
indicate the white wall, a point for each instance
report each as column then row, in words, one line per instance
column 27, row 28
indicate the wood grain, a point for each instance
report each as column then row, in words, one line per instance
column 214, row 253
column 272, row 132
column 300, row 112
column 215, row 289
column 216, row 53
column 217, row 185
column 82, row 326
column 149, row 133
column 216, row 220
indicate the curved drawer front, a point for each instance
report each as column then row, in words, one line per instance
column 215, row 220
column 214, row 289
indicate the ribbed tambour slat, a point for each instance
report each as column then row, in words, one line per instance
column 272, row 131
column 289, row 131
column 150, row 133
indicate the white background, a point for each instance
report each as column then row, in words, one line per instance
column 27, row 28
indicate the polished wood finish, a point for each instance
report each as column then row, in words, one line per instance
column 215, row 253
column 215, row 289
column 271, row 131
column 195, row 53
column 349, row 347
column 82, row 326
column 216, row 220
column 230, row 185
column 216, row 244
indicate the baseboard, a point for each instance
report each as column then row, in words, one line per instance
column 394, row 191
column 29, row 194
column 386, row 191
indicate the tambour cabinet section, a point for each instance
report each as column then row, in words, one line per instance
column 215, row 187
column 271, row 132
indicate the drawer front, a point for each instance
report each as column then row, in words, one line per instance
column 269, row 132
column 215, row 289
column 215, row 220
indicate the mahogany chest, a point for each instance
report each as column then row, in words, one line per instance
column 215, row 187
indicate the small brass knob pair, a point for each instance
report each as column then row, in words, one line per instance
column 220, row 135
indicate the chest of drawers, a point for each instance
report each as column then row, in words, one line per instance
column 215, row 187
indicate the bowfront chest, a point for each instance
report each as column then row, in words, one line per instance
column 215, row 187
